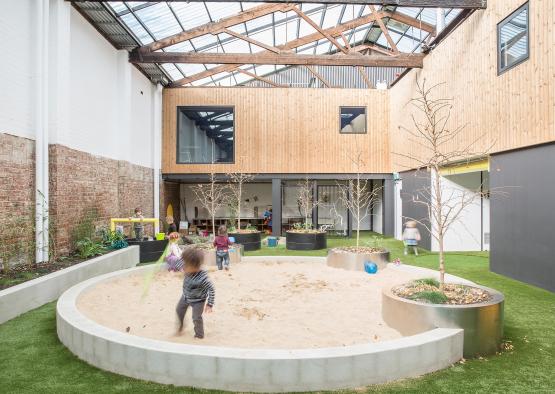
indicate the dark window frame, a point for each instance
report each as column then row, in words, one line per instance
column 204, row 108
column 500, row 25
column 341, row 107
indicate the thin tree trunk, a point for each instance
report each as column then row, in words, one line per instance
column 441, row 264
column 439, row 223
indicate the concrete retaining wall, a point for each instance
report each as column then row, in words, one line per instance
column 24, row 297
column 252, row 370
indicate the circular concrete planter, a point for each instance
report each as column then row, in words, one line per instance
column 355, row 261
column 250, row 241
column 482, row 323
column 306, row 241
column 249, row 370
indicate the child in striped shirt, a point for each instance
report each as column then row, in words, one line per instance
column 198, row 291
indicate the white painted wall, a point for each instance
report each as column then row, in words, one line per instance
column 465, row 233
column 95, row 100
column 17, row 73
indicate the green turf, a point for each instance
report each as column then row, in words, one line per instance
column 33, row 360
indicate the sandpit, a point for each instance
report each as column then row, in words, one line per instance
column 274, row 304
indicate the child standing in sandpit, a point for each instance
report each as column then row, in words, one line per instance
column 173, row 259
column 222, row 243
column 198, row 291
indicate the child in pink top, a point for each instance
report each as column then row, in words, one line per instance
column 222, row 243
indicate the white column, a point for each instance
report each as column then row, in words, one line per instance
column 156, row 146
column 41, row 138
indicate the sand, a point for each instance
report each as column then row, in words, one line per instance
column 258, row 305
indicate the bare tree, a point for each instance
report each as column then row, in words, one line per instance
column 358, row 196
column 306, row 200
column 436, row 141
column 212, row 196
column 237, row 181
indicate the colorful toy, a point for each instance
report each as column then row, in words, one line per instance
column 232, row 240
column 370, row 268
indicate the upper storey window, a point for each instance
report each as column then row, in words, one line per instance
column 205, row 135
column 513, row 39
column 352, row 120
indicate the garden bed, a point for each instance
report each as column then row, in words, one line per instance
column 22, row 273
column 306, row 240
column 249, row 239
column 428, row 291
column 353, row 258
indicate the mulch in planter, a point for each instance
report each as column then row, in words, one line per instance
column 360, row 249
column 455, row 294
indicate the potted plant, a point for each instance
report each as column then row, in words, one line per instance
column 433, row 302
column 302, row 236
column 359, row 197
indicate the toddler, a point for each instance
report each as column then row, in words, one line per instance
column 138, row 226
column 222, row 243
column 411, row 236
column 173, row 259
column 198, row 290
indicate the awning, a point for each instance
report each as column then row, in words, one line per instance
column 466, row 167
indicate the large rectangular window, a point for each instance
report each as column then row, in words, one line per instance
column 205, row 135
column 352, row 120
column 513, row 44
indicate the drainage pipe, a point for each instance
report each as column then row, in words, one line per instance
column 41, row 138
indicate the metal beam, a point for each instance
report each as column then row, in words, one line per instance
column 471, row 4
column 401, row 60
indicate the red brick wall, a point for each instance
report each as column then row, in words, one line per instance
column 80, row 183
column 17, row 194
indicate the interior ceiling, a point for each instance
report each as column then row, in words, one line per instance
column 133, row 24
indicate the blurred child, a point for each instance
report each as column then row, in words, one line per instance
column 138, row 227
column 411, row 236
column 222, row 243
column 198, row 290
column 172, row 228
column 173, row 258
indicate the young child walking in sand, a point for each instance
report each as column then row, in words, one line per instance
column 173, row 258
column 411, row 236
column 198, row 291
column 222, row 243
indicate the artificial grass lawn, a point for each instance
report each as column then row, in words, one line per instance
column 33, row 360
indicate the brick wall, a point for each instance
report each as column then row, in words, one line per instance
column 17, row 196
column 86, row 185
column 81, row 185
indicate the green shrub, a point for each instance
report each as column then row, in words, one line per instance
column 113, row 239
column 87, row 248
column 433, row 297
column 428, row 281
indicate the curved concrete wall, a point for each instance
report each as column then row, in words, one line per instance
column 255, row 370
column 30, row 295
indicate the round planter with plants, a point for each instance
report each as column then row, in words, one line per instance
column 423, row 304
column 250, row 239
column 353, row 258
column 306, row 239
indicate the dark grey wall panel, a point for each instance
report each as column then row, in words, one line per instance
column 388, row 210
column 523, row 222
column 276, row 207
column 414, row 183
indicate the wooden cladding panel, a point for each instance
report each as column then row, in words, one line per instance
column 501, row 112
column 286, row 130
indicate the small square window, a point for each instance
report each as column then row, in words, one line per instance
column 513, row 39
column 352, row 120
